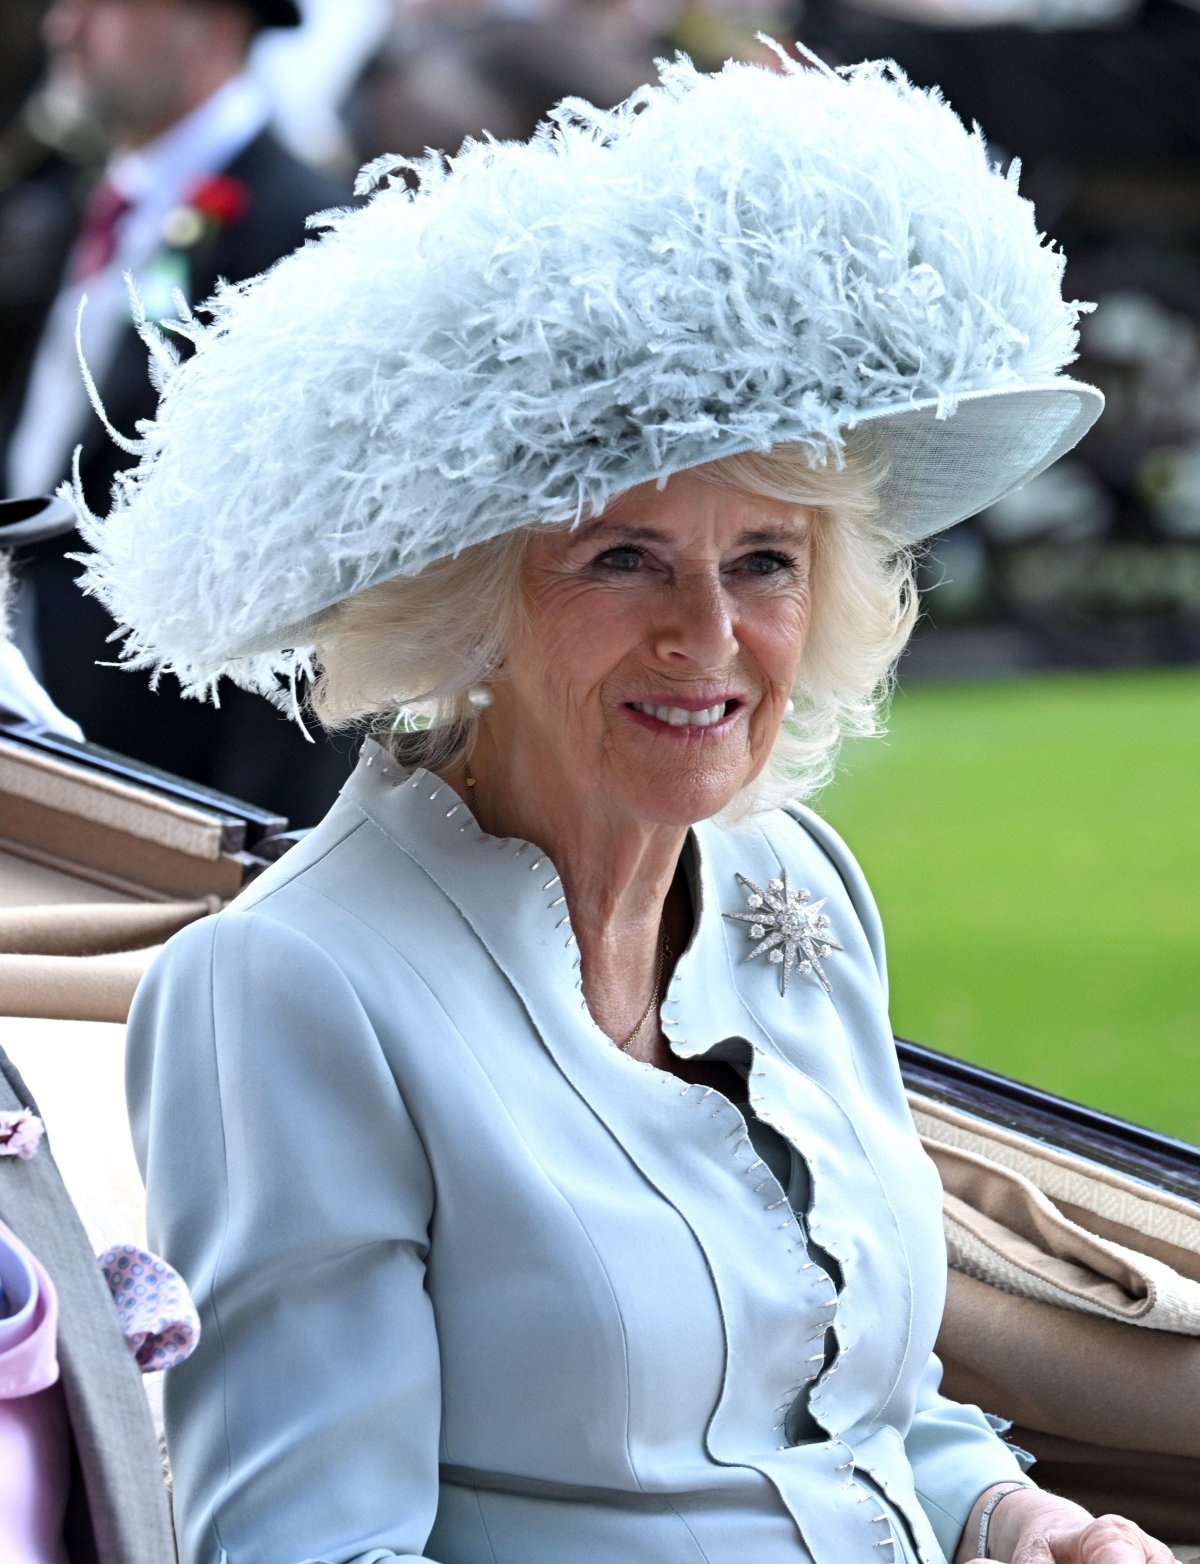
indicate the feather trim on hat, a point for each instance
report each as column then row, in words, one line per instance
column 721, row 263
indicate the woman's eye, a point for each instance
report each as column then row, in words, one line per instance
column 623, row 558
column 766, row 562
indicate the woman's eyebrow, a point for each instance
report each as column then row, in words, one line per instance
column 776, row 535
column 635, row 533
column 632, row 531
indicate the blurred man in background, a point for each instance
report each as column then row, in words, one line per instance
column 196, row 189
column 454, row 68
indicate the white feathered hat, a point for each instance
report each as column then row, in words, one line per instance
column 722, row 263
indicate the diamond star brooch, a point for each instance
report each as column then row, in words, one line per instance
column 788, row 927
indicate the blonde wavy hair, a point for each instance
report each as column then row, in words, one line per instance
column 400, row 658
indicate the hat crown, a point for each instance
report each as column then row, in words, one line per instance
column 722, row 263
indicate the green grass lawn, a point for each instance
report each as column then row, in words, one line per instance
column 1034, row 846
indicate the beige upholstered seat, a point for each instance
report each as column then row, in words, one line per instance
column 1074, row 1310
column 95, row 872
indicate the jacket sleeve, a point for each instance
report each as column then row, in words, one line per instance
column 286, row 1182
column 955, row 1453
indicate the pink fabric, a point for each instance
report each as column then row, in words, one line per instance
column 20, row 1133
column 34, row 1431
column 154, row 1307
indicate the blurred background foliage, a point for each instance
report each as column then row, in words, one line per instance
column 1034, row 851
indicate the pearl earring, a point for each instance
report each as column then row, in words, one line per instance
column 479, row 697
column 790, row 709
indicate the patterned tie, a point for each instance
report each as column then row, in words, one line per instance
column 97, row 242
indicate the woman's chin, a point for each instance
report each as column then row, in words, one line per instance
column 680, row 780
column 681, row 799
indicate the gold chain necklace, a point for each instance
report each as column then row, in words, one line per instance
column 654, row 994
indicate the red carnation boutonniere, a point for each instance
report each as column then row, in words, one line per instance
column 212, row 205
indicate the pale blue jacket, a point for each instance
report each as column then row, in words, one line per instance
column 478, row 1288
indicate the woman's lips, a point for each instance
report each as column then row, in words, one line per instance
column 688, row 714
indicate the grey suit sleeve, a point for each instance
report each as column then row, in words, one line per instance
column 118, row 1506
column 286, row 1182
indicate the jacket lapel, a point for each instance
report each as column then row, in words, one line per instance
column 823, row 1072
column 688, row 1142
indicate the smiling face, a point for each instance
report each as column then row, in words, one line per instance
column 659, row 648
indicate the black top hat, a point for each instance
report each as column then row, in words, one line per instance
column 32, row 521
column 274, row 13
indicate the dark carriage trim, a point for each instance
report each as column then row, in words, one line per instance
column 1161, row 1160
column 246, row 828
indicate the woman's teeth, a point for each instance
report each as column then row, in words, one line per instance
column 679, row 718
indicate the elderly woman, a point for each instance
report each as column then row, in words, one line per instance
column 532, row 1135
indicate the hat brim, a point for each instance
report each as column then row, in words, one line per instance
column 945, row 462
column 944, row 469
column 34, row 520
column 949, row 460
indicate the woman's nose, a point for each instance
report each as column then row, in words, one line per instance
column 697, row 624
